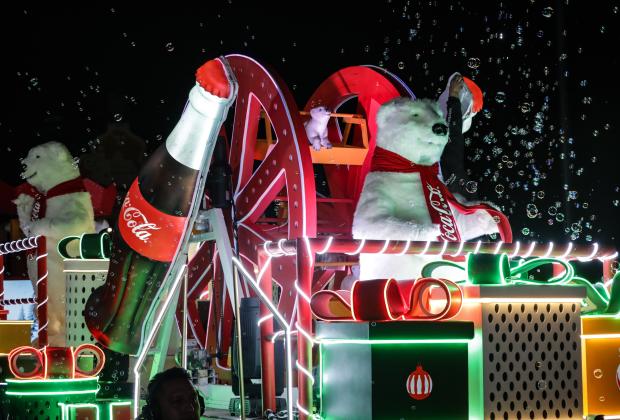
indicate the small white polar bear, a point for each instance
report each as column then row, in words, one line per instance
column 393, row 201
column 316, row 128
column 62, row 208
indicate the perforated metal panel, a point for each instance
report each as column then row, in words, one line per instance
column 82, row 277
column 532, row 360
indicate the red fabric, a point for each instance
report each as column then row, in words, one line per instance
column 438, row 197
column 212, row 77
column 40, row 199
column 476, row 93
column 387, row 300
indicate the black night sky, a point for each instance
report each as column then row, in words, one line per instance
column 544, row 146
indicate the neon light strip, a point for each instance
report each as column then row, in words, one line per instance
column 66, row 407
column 612, row 417
column 569, row 248
column 275, row 335
column 116, row 404
column 289, row 355
column 523, row 300
column 305, row 333
column 143, row 352
column 359, row 248
column 428, row 243
column 304, row 371
column 87, row 391
column 302, row 409
column 405, row 248
column 518, row 246
column 591, row 256
column 301, row 292
column 327, row 245
column 594, row 336
column 549, row 250
column 477, row 247
column 458, row 252
column 529, row 251
column 280, row 242
column 498, row 247
column 609, row 257
column 385, row 247
column 265, row 318
column 443, row 248
column 330, row 342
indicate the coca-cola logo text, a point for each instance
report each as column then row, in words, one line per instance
column 446, row 220
column 137, row 221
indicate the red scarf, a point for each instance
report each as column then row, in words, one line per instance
column 438, row 197
column 40, row 200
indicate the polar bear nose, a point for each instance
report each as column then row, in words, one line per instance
column 440, row 129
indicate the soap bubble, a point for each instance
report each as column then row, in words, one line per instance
column 547, row 12
column 473, row 63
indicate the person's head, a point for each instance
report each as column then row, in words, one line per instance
column 171, row 396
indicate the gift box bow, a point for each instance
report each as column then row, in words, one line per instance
column 91, row 245
column 388, row 300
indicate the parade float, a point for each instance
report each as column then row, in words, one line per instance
column 264, row 241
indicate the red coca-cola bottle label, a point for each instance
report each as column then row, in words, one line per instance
column 146, row 229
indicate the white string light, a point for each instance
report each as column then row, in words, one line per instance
column 529, row 251
column 263, row 319
column 516, row 251
column 458, row 252
column 304, row 371
column 277, row 334
column 477, row 247
column 592, row 254
column 301, row 292
column 327, row 245
column 443, row 248
column 405, row 248
column 428, row 244
column 549, row 250
column 385, row 247
column 359, row 248
column 569, row 248
column 498, row 247
column 609, row 257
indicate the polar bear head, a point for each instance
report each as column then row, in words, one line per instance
column 48, row 165
column 414, row 129
column 320, row 113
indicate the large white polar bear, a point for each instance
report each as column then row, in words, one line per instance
column 60, row 207
column 402, row 197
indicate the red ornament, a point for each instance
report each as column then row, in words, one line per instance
column 419, row 384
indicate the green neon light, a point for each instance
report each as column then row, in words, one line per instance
column 116, row 404
column 336, row 341
column 52, row 386
column 66, row 415
column 24, row 393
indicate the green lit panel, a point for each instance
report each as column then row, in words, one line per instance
column 394, row 370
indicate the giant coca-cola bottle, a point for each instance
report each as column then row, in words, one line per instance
column 154, row 214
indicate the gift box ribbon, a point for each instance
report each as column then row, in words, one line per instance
column 388, row 300
column 91, row 246
column 496, row 269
